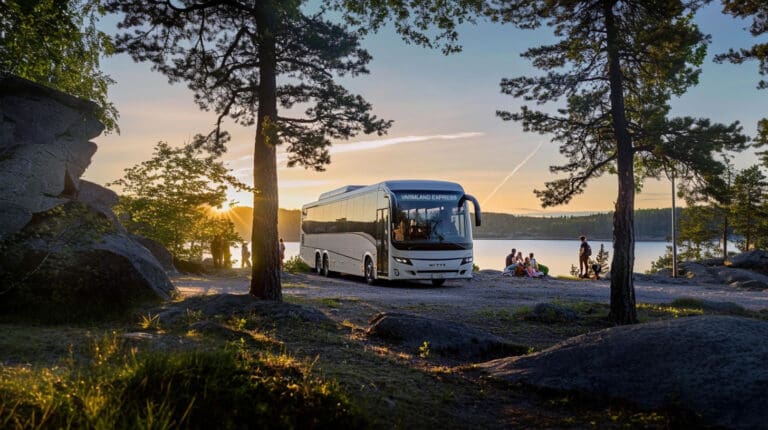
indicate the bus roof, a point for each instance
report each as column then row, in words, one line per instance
column 398, row 185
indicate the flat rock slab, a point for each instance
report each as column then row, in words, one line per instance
column 443, row 337
column 715, row 366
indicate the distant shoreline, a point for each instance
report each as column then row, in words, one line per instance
column 596, row 239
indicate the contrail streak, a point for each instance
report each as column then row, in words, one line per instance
column 522, row 163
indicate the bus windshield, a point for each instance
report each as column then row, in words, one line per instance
column 429, row 220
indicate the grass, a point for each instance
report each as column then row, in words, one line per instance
column 230, row 387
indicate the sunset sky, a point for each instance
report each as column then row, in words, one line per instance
column 445, row 124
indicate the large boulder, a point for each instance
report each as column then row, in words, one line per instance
column 714, row 366
column 442, row 337
column 73, row 262
column 753, row 260
column 44, row 149
column 62, row 249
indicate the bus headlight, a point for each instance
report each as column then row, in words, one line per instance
column 466, row 260
column 403, row 260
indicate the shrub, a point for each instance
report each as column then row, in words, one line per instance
column 296, row 265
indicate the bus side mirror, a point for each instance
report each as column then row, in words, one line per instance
column 478, row 215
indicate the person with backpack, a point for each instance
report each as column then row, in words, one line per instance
column 585, row 251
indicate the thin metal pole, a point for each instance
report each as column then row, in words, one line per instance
column 674, row 230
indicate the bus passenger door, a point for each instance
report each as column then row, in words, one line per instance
column 382, row 242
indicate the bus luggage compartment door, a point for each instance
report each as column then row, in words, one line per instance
column 382, row 242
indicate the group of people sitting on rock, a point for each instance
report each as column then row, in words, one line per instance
column 516, row 265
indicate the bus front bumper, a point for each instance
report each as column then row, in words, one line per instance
column 432, row 269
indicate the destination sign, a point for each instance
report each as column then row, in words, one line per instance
column 427, row 197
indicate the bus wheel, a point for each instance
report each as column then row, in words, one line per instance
column 370, row 279
column 318, row 265
column 438, row 282
column 326, row 271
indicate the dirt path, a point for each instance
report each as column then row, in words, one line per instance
column 487, row 291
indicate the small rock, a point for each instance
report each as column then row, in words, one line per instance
column 442, row 337
column 549, row 313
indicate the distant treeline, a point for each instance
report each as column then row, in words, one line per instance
column 650, row 224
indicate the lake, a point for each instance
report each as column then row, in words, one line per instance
column 558, row 255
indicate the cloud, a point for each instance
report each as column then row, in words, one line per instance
column 363, row 145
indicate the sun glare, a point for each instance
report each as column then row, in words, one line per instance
column 217, row 212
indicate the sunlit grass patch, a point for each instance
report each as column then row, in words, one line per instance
column 201, row 389
column 650, row 312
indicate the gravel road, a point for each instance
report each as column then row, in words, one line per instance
column 488, row 290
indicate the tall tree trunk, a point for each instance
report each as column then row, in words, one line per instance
column 622, row 287
column 265, row 272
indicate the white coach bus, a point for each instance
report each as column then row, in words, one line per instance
column 396, row 230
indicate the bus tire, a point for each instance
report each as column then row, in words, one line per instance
column 370, row 277
column 318, row 265
column 438, row 282
column 326, row 271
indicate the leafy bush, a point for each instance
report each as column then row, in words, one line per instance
column 296, row 265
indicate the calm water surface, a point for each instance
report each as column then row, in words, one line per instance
column 558, row 255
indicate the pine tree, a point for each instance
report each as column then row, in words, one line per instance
column 748, row 210
column 602, row 259
column 758, row 11
column 615, row 65
column 268, row 64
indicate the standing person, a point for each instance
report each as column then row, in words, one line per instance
column 585, row 251
column 282, row 252
column 510, row 260
column 245, row 256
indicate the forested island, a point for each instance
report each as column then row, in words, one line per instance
column 650, row 224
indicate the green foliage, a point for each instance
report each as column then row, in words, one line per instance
column 602, row 259
column 699, row 229
column 757, row 10
column 574, row 270
column 296, row 265
column 56, row 43
column 169, row 198
column 475, row 268
column 748, row 208
column 222, row 389
column 428, row 23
